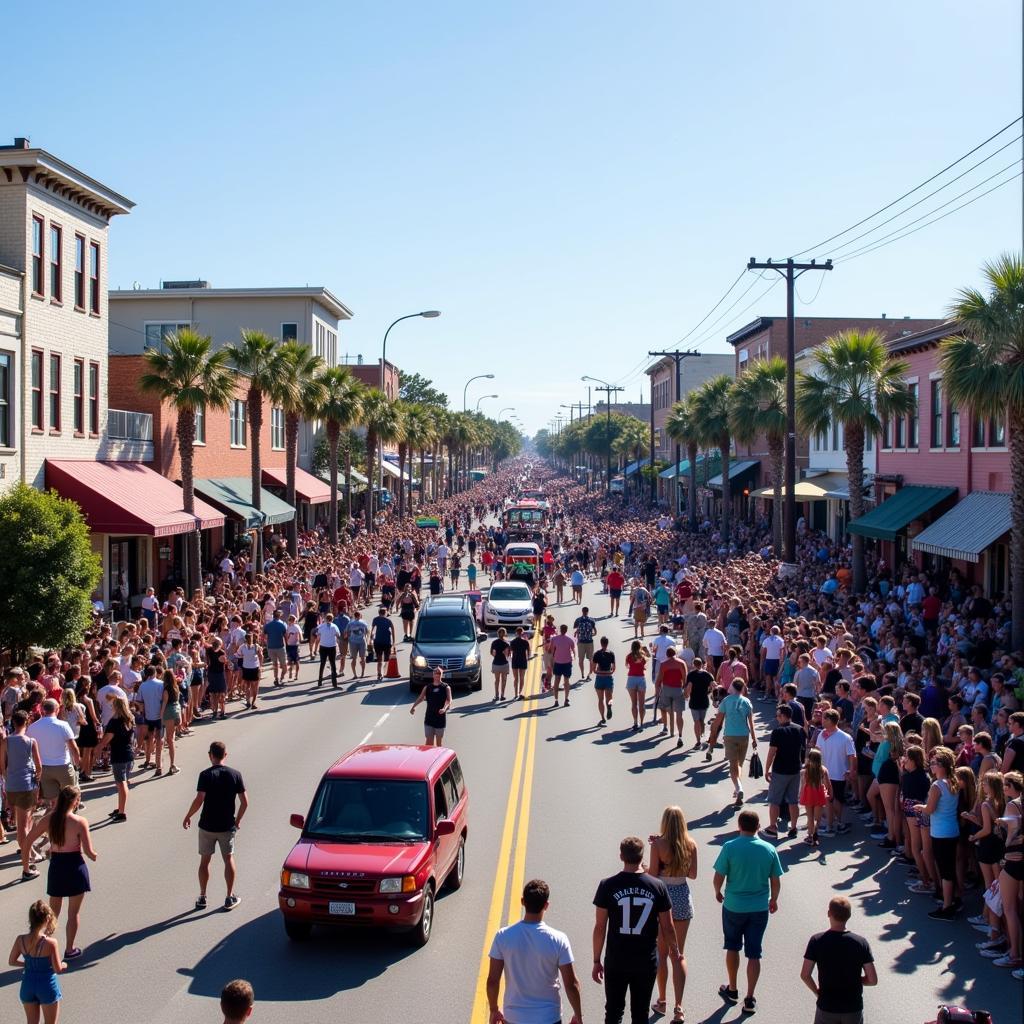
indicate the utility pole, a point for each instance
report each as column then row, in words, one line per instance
column 677, row 356
column 790, row 270
column 650, row 463
column 608, row 389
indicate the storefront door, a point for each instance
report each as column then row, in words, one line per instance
column 123, row 568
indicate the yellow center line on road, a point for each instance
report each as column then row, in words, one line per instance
column 520, row 785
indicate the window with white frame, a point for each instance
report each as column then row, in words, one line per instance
column 277, row 429
column 238, row 423
column 6, row 399
column 200, row 424
column 156, row 333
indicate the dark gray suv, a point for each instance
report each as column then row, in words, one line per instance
column 446, row 635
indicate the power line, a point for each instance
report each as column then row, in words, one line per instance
column 927, row 181
column 757, row 298
column 941, row 188
column 714, row 307
column 948, row 213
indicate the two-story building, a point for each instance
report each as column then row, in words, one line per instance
column 942, row 479
column 821, row 503
column 693, row 371
column 313, row 316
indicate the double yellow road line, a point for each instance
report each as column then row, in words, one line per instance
column 509, row 874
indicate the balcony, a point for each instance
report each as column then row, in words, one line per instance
column 123, row 425
column 129, row 436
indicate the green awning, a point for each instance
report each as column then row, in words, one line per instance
column 739, row 473
column 887, row 520
column 683, row 469
column 969, row 527
column 233, row 494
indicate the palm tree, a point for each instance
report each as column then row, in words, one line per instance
column 983, row 370
column 382, row 424
column 259, row 358
column 191, row 377
column 856, row 385
column 759, row 407
column 340, row 407
column 300, row 392
column 631, row 441
column 711, row 404
column 419, row 432
column 681, row 426
column 401, row 409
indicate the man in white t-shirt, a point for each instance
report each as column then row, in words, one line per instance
column 714, row 646
column 150, row 606
column 660, row 645
column 105, row 701
column 58, row 751
column 227, row 567
column 839, row 758
column 772, row 649
column 531, row 957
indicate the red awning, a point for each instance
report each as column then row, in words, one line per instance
column 307, row 487
column 128, row 498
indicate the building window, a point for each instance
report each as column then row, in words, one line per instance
column 156, row 333
column 914, row 418
column 898, row 424
column 94, row 398
column 289, row 332
column 238, row 423
column 277, row 429
column 6, row 399
column 978, row 433
column 937, row 434
column 954, row 426
column 200, row 424
column 835, row 435
column 54, row 392
column 79, row 272
column 869, row 441
column 94, row 278
column 37, row 390
column 37, row 255
column 56, row 262
column 997, row 433
column 886, row 434
column 79, row 392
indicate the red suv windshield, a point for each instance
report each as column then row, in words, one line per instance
column 369, row 811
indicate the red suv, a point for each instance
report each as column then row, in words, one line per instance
column 387, row 827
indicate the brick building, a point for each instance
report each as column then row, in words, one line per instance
column 942, row 478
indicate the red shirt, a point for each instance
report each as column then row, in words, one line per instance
column 684, row 591
column 615, row 580
column 342, row 596
column 931, row 606
column 672, row 673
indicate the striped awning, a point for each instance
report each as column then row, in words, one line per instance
column 816, row 489
column 739, row 473
column 635, row 467
column 964, row 532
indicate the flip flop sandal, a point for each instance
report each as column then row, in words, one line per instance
column 659, row 1007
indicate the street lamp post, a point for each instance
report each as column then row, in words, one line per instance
column 429, row 314
column 479, row 376
column 483, row 398
column 508, row 408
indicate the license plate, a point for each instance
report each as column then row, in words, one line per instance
column 345, row 909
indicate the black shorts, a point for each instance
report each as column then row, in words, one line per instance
column 154, row 726
column 889, row 773
column 944, row 852
column 838, row 790
column 381, row 653
column 250, row 675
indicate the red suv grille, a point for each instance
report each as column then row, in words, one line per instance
column 352, row 886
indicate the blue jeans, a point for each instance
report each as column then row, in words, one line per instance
column 744, row 931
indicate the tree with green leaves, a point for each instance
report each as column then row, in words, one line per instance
column 414, row 387
column 191, row 377
column 759, row 408
column 983, row 370
column 258, row 356
column 681, row 426
column 49, row 571
column 340, row 409
column 711, row 404
column 299, row 392
column 855, row 384
column 419, row 435
column 632, row 440
column 382, row 424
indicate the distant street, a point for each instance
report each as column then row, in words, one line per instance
column 550, row 784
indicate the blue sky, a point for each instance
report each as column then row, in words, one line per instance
column 570, row 183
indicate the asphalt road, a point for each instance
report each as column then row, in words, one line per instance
column 551, row 794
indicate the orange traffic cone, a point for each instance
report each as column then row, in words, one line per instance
column 392, row 672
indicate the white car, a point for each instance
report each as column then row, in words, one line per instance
column 508, row 604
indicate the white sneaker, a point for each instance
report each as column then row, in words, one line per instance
column 978, row 919
column 824, row 830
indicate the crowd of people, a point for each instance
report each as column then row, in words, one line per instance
column 898, row 709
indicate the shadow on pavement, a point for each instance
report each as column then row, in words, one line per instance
column 335, row 960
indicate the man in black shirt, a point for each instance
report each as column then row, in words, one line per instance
column 604, row 678
column 699, row 683
column 382, row 634
column 845, row 965
column 782, row 770
column 912, row 720
column 797, row 712
column 217, row 789
column 632, row 907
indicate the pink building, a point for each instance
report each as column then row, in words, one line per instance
column 943, row 477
